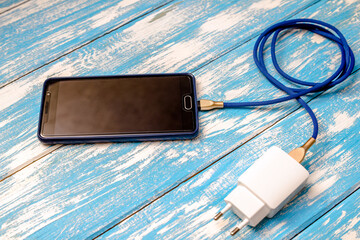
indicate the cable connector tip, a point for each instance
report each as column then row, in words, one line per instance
column 206, row 105
column 299, row 153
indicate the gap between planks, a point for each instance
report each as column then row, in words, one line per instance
column 337, row 201
column 15, row 6
column 30, row 161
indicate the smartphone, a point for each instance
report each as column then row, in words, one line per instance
column 118, row 108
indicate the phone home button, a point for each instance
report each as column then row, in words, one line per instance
column 188, row 102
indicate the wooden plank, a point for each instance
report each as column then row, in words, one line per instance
column 7, row 5
column 125, row 166
column 333, row 163
column 39, row 31
column 343, row 222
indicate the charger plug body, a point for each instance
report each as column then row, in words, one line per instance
column 265, row 187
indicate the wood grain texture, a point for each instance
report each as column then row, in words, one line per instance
column 343, row 222
column 8, row 5
column 38, row 31
column 78, row 190
column 333, row 163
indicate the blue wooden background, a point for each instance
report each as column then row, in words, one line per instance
column 172, row 189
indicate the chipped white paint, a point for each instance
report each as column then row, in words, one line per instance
column 28, row 8
column 297, row 53
column 334, row 62
column 95, row 150
column 342, row 222
column 11, row 94
column 208, row 82
column 225, row 21
column 216, row 126
column 239, row 61
column 172, row 153
column 175, row 55
column 9, row 120
column 205, row 177
column 271, row 233
column 343, row 214
column 210, row 228
column 348, row 2
column 194, row 207
column 342, row 121
column 351, row 235
column 238, row 92
column 319, row 187
column 299, row 64
column 316, row 38
column 23, row 150
column 123, row 229
column 110, row 14
column 326, row 222
column 314, row 14
column 351, row 224
column 266, row 4
column 142, row 232
column 143, row 154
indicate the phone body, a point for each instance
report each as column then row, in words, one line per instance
column 118, row 108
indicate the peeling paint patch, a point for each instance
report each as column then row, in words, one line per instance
column 316, row 38
column 342, row 121
column 321, row 187
column 266, row 4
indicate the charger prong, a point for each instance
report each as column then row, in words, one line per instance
column 218, row 215
column 238, row 228
column 224, row 210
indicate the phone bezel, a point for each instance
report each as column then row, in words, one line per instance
column 118, row 137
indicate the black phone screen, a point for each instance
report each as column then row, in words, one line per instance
column 118, row 105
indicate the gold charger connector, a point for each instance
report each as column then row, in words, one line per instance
column 299, row 153
column 205, row 105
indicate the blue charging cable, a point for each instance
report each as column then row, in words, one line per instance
column 315, row 26
column 324, row 29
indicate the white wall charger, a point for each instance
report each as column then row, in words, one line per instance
column 265, row 187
